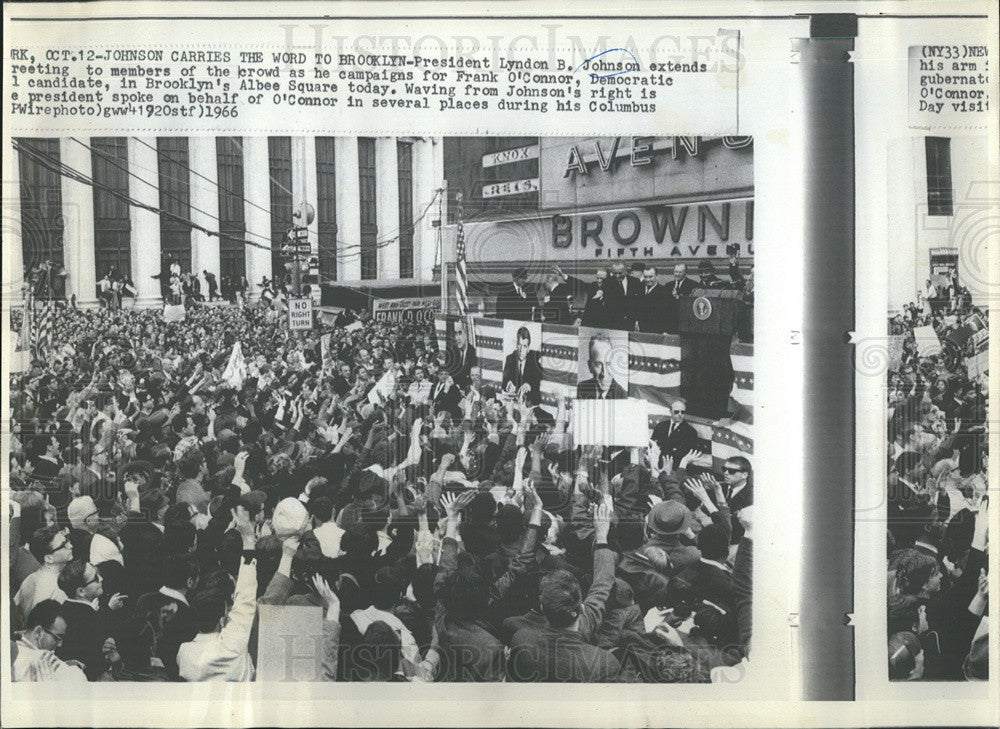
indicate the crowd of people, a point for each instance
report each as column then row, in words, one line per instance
column 168, row 477
column 636, row 300
column 937, row 495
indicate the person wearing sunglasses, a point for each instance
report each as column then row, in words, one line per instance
column 52, row 548
column 44, row 632
column 737, row 477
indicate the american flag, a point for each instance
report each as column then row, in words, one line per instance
column 461, row 275
column 22, row 352
column 45, row 324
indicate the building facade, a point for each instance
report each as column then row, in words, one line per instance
column 940, row 199
column 220, row 204
column 585, row 203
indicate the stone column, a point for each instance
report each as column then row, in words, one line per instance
column 78, row 226
column 257, row 189
column 205, row 253
column 145, row 240
column 348, row 210
column 387, row 207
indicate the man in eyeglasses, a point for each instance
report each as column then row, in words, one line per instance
column 674, row 435
column 737, row 477
column 52, row 548
column 88, row 635
column 44, row 632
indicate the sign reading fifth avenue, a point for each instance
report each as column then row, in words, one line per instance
column 300, row 313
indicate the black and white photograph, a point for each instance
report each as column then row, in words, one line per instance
column 603, row 357
column 234, row 415
column 503, row 365
column 938, row 407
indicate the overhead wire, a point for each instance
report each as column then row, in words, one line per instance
column 59, row 167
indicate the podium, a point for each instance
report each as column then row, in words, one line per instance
column 707, row 320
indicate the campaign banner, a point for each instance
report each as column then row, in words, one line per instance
column 174, row 312
column 416, row 310
column 290, row 644
column 927, row 340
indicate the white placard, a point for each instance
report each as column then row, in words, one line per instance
column 611, row 422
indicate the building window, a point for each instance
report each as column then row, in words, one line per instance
column 404, row 157
column 41, row 211
column 326, row 207
column 939, row 193
column 112, row 225
column 279, row 162
column 369, row 229
column 175, row 201
column 232, row 221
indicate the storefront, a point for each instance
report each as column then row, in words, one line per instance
column 588, row 202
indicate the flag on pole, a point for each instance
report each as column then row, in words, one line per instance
column 461, row 275
column 236, row 369
column 45, row 324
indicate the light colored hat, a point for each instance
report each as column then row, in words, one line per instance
column 290, row 517
column 79, row 509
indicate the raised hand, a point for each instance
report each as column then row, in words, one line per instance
column 327, row 595
column 602, row 521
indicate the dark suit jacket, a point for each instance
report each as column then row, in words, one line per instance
column 86, row 631
column 651, row 310
column 703, row 581
column 447, row 398
column 511, row 305
column 532, row 374
column 594, row 309
column 675, row 291
column 460, row 366
column 588, row 390
column 677, row 444
column 619, row 305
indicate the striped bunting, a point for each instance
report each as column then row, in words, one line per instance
column 654, row 376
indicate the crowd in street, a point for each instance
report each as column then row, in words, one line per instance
column 937, row 493
column 168, row 478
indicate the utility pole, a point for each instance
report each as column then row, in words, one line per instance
column 442, row 197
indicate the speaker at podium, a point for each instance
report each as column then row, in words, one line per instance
column 707, row 321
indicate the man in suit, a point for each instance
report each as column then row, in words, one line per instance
column 522, row 370
column 88, row 626
column 461, row 357
column 515, row 300
column 602, row 385
column 737, row 477
column 213, row 284
column 554, row 298
column 674, row 436
column 679, row 288
column 593, row 310
column 621, row 294
column 651, row 311
column 445, row 394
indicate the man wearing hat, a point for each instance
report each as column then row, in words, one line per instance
column 668, row 527
column 708, row 279
column 514, row 300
